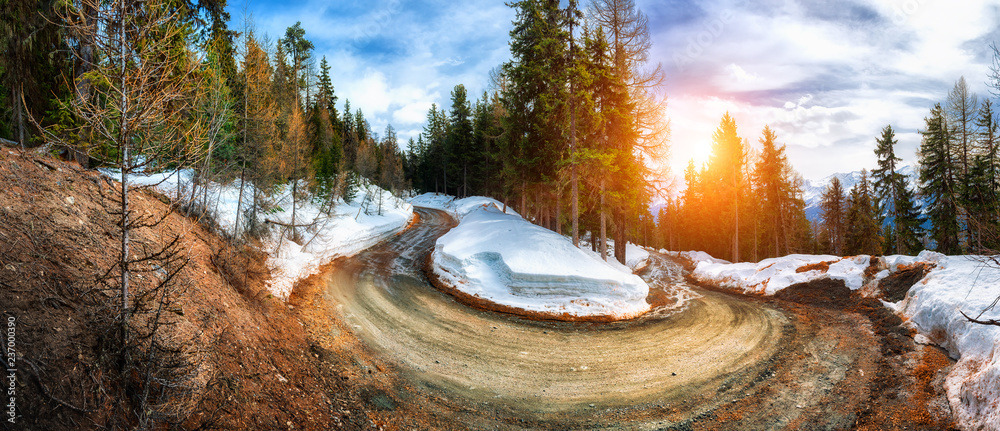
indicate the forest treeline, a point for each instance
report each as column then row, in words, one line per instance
column 746, row 202
column 570, row 131
column 566, row 132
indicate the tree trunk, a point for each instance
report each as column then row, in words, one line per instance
column 239, row 200
column 559, row 212
column 123, row 260
column 126, row 163
column 736, row 238
column 621, row 242
column 295, row 188
column 604, row 229
column 524, row 199
column 19, row 113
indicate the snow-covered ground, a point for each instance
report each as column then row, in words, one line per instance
column 347, row 230
column 343, row 231
column 502, row 258
column 933, row 307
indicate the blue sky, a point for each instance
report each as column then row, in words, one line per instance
column 827, row 76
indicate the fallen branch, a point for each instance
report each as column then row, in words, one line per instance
column 45, row 391
column 993, row 322
column 288, row 224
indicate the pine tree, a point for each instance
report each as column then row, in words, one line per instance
column 833, row 206
column 769, row 181
column 535, row 98
column 863, row 228
column 779, row 210
column 937, row 182
column 32, row 60
column 458, row 144
column 724, row 176
column 982, row 185
column 962, row 106
column 296, row 45
column 895, row 199
column 692, row 217
column 326, row 97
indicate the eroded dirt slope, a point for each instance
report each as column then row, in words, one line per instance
column 257, row 368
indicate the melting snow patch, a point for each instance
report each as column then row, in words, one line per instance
column 933, row 306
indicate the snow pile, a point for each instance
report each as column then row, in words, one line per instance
column 346, row 230
column 503, row 259
column 771, row 275
column 636, row 257
column 696, row 256
column 932, row 307
column 962, row 283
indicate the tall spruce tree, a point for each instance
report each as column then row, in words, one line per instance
column 458, row 144
column 937, row 182
column 897, row 208
column 833, row 207
column 863, row 229
column 982, row 184
column 775, row 193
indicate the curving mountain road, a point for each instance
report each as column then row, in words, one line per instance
column 698, row 350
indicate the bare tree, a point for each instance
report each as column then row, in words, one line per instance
column 139, row 77
column 627, row 29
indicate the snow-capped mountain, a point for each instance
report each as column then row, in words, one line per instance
column 812, row 191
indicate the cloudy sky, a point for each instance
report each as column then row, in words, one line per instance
column 827, row 76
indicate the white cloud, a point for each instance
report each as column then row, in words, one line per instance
column 826, row 82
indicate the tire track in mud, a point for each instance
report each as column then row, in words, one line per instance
column 547, row 368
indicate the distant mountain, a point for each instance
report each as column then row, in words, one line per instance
column 813, row 191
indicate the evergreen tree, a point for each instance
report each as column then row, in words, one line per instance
column 863, row 233
column 724, row 177
column 937, row 182
column 780, row 209
column 459, row 145
column 296, row 45
column 535, row 97
column 32, row 61
column 895, row 199
column 983, row 189
column 962, row 107
column 773, row 194
column 326, row 97
column 833, row 207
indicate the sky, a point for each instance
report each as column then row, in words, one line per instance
column 827, row 76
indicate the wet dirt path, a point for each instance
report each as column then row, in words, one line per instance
column 702, row 359
column 543, row 368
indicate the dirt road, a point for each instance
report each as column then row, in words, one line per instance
column 708, row 361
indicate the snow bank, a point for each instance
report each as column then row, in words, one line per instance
column 503, row 259
column 932, row 306
column 345, row 231
column 962, row 283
